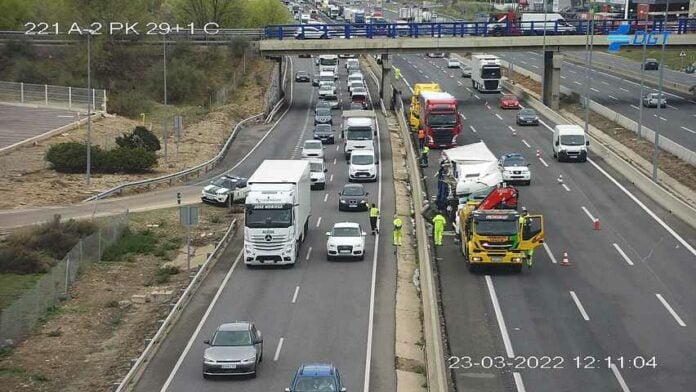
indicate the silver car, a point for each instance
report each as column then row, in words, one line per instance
column 235, row 349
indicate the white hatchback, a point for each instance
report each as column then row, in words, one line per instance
column 345, row 240
column 453, row 63
column 313, row 149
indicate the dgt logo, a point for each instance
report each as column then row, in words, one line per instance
column 620, row 37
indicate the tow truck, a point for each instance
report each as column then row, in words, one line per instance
column 491, row 232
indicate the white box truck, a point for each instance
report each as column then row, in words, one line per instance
column 359, row 127
column 277, row 210
column 474, row 167
column 570, row 143
column 485, row 72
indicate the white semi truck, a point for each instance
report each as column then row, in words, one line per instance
column 277, row 210
column 485, row 72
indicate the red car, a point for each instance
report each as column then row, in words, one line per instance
column 509, row 101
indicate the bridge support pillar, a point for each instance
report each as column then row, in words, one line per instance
column 551, row 85
column 385, row 86
column 281, row 82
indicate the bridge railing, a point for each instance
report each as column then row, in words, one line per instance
column 464, row 28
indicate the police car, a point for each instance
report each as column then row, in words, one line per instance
column 225, row 187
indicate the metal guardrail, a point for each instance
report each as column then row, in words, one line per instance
column 466, row 28
column 154, row 344
column 205, row 167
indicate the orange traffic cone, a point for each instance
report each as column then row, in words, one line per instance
column 565, row 262
column 596, row 224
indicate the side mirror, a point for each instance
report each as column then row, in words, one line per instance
column 587, row 143
column 328, row 233
column 326, row 170
column 206, row 342
column 364, row 234
column 529, row 164
column 259, row 340
column 287, row 389
column 344, row 389
column 556, row 142
column 367, row 193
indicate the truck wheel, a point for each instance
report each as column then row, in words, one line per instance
column 517, row 268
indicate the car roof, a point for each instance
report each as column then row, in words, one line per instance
column 316, row 369
column 354, row 186
column 512, row 155
column 362, row 152
column 235, row 326
column 312, row 141
column 346, row 224
column 315, row 160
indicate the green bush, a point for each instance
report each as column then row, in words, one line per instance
column 130, row 243
column 71, row 157
column 127, row 160
column 164, row 273
column 129, row 103
column 140, row 137
column 18, row 260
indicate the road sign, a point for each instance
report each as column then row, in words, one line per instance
column 188, row 215
column 682, row 54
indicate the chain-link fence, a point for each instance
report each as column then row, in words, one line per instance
column 63, row 97
column 19, row 318
column 273, row 93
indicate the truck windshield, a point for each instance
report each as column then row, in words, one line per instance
column 442, row 119
column 267, row 218
column 490, row 72
column 328, row 61
column 572, row 140
column 498, row 227
column 316, row 167
column 362, row 159
column 359, row 134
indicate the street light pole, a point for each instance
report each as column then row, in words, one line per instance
column 164, row 119
column 659, row 94
column 89, row 107
column 642, row 78
column 588, row 70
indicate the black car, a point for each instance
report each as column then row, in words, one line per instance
column 353, row 197
column 651, row 65
column 527, row 117
column 325, row 133
column 302, row 76
column 323, row 116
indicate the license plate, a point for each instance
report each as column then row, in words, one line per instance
column 344, row 251
column 362, row 175
column 496, row 259
column 229, row 366
column 352, row 206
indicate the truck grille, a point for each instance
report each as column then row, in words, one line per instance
column 490, row 84
column 276, row 243
column 442, row 136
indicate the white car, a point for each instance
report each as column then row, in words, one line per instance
column 351, row 61
column 356, row 77
column 346, row 240
column 362, row 166
column 453, row 63
column 317, row 173
column 327, row 89
column 355, row 83
column 310, row 32
column 515, row 168
column 313, row 149
column 221, row 189
column 358, row 90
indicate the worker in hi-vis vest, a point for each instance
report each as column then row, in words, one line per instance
column 374, row 215
column 439, row 225
column 421, row 138
column 397, row 230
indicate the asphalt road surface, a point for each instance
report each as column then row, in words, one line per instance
column 628, row 294
column 18, row 123
column 315, row 311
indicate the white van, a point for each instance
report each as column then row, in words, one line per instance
column 362, row 166
column 570, row 143
column 326, row 76
column 535, row 23
column 357, row 131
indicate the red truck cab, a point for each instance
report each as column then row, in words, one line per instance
column 439, row 115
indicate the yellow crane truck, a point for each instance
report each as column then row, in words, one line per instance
column 414, row 109
column 492, row 232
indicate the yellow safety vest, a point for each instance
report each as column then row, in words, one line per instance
column 374, row 212
column 397, row 224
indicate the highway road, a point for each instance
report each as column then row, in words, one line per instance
column 628, row 293
column 315, row 311
column 622, row 95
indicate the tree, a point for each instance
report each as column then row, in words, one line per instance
column 201, row 12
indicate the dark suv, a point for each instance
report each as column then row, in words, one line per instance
column 317, row 377
column 353, row 197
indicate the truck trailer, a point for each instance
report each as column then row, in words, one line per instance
column 277, row 210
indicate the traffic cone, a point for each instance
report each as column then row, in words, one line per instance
column 514, row 132
column 565, row 262
column 596, row 224
column 538, row 154
column 560, row 179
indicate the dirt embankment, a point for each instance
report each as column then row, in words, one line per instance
column 27, row 181
column 86, row 343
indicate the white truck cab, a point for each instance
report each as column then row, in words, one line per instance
column 570, row 143
column 358, row 130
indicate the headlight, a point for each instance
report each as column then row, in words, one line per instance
column 249, row 360
column 363, row 201
column 331, row 246
column 341, row 201
column 208, row 360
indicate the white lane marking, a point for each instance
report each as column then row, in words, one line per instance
column 373, row 279
column 566, row 187
column 543, row 161
column 662, row 118
column 592, row 218
column 526, row 144
column 576, row 82
column 463, row 116
column 472, row 128
column 318, row 221
column 570, row 70
column 688, row 130
column 65, row 116
column 477, row 97
column 594, row 89
column 548, row 252
column 469, row 90
column 200, row 324
column 605, row 82
column 334, row 161
column 622, row 253
column 613, row 97
column 420, row 70
column 563, row 77
column 523, row 62
column 518, row 382
column 277, row 351
column 623, row 89
column 499, row 316
column 579, row 305
column 331, row 178
column 671, row 311
column 294, row 296
column 309, row 252
column 535, row 66
column 337, row 147
column 619, row 378
column 672, row 107
column 326, row 197
column 635, row 107
column 498, row 115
